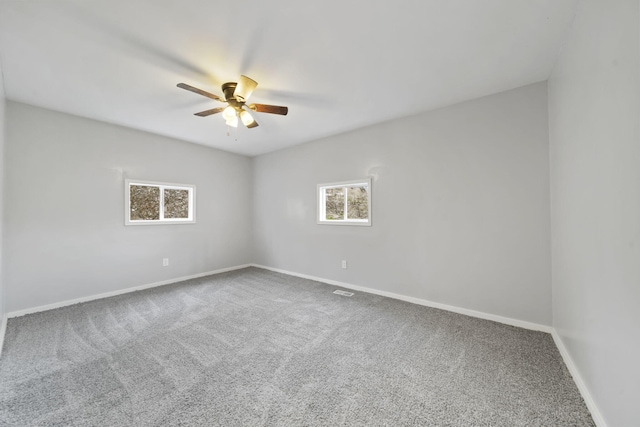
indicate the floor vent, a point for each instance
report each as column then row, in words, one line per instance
column 343, row 293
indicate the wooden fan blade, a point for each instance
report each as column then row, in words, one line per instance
column 210, row 112
column 271, row 109
column 199, row 91
column 254, row 124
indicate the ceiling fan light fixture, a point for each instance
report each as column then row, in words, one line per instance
column 247, row 119
column 245, row 88
column 232, row 121
column 229, row 113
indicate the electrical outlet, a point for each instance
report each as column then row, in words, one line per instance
column 165, row 262
column 344, row 263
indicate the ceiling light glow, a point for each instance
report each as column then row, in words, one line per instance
column 233, row 121
column 229, row 113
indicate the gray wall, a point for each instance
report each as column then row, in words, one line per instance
column 2, row 168
column 594, row 111
column 64, row 219
column 460, row 206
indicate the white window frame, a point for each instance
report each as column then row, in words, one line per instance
column 321, row 198
column 162, row 186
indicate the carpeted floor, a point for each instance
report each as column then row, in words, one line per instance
column 257, row 348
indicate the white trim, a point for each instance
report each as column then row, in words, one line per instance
column 577, row 378
column 322, row 203
column 479, row 314
column 119, row 292
column 3, row 330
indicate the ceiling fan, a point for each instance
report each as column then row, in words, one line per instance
column 236, row 95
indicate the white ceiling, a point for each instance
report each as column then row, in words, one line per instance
column 337, row 65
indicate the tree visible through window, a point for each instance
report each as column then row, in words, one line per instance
column 176, row 203
column 144, row 202
column 154, row 203
column 346, row 202
column 358, row 202
column 334, row 203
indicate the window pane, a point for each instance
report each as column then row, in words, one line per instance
column 145, row 202
column 357, row 203
column 176, row 203
column 335, row 203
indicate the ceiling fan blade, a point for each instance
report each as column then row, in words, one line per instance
column 271, row 109
column 199, row 91
column 209, row 112
column 245, row 88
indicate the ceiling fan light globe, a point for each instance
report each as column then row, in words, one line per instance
column 245, row 88
column 229, row 113
column 246, row 118
column 233, row 121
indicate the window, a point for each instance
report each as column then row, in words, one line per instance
column 345, row 203
column 149, row 202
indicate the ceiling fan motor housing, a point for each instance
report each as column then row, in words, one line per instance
column 228, row 89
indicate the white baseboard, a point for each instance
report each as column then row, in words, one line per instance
column 577, row 378
column 119, row 292
column 419, row 301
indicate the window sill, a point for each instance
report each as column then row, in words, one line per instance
column 338, row 222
